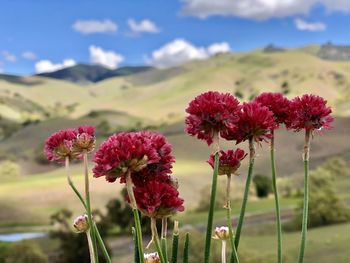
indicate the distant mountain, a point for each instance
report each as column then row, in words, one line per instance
column 334, row 52
column 84, row 74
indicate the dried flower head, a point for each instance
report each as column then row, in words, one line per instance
column 158, row 199
column 151, row 257
column 85, row 141
column 81, row 223
column 140, row 153
column 309, row 112
column 229, row 161
column 255, row 121
column 212, row 113
column 221, row 233
column 277, row 103
column 59, row 145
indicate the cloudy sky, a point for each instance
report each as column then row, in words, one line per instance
column 41, row 35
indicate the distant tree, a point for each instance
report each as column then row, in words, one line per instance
column 103, row 127
column 239, row 94
column 25, row 252
column 262, row 185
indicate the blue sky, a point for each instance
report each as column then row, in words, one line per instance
column 41, row 35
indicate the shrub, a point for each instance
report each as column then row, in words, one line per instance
column 25, row 252
column 262, row 185
column 9, row 170
column 337, row 167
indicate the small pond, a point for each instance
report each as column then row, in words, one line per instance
column 14, row 237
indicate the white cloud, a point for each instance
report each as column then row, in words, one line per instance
column 143, row 26
column 8, row 56
column 45, row 66
column 309, row 26
column 259, row 9
column 105, row 58
column 180, row 51
column 95, row 26
column 29, row 55
column 217, row 48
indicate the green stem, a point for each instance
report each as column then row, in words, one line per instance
column 306, row 197
column 163, row 239
column 175, row 245
column 98, row 236
column 186, row 248
column 229, row 220
column 277, row 205
column 212, row 201
column 246, row 192
column 133, row 204
column 88, row 207
column 136, row 251
column 156, row 239
column 102, row 245
column 71, row 184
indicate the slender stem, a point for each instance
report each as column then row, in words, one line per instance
column 136, row 251
column 223, row 251
column 163, row 238
column 102, row 245
column 91, row 248
column 175, row 245
column 71, row 184
column 88, row 206
column 277, row 204
column 246, row 192
column 133, row 204
column 211, row 210
column 229, row 219
column 216, row 148
column 186, row 248
column 156, row 239
column 306, row 196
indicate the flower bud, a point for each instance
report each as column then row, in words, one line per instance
column 222, row 233
column 81, row 223
column 151, row 257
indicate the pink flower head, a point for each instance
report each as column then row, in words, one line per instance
column 158, row 199
column 277, row 103
column 309, row 112
column 229, row 161
column 85, row 140
column 210, row 113
column 59, row 145
column 255, row 121
column 143, row 153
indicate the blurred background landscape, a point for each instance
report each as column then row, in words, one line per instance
column 165, row 60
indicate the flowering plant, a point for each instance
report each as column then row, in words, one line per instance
column 142, row 161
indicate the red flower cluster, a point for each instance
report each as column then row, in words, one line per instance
column 277, row 103
column 309, row 112
column 69, row 143
column 210, row 113
column 158, row 199
column 255, row 121
column 229, row 161
column 141, row 153
column 148, row 158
